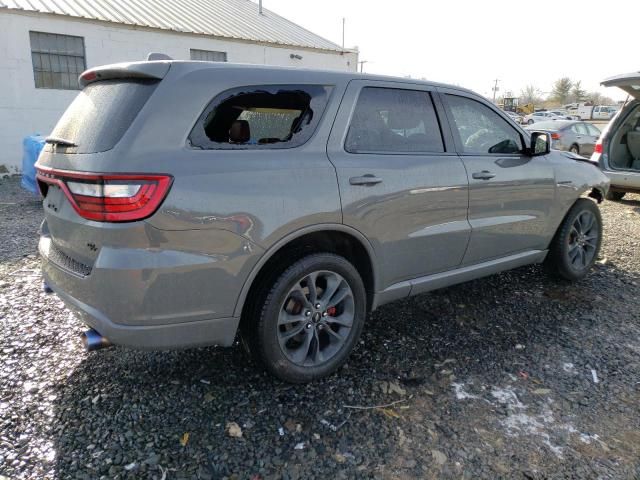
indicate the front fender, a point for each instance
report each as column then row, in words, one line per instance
column 575, row 177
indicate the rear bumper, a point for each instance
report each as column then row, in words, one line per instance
column 108, row 299
column 217, row 331
column 623, row 180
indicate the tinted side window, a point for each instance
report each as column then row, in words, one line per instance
column 270, row 116
column 580, row 129
column 593, row 130
column 394, row 120
column 482, row 130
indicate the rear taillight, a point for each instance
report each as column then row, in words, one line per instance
column 110, row 197
column 598, row 147
column 555, row 136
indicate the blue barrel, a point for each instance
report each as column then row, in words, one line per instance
column 32, row 145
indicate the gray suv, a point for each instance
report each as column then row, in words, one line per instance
column 188, row 201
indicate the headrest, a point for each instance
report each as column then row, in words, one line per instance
column 406, row 118
column 239, row 132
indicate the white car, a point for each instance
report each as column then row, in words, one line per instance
column 541, row 117
column 517, row 117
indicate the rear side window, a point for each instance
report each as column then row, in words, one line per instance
column 593, row 130
column 389, row 120
column 100, row 115
column 263, row 117
column 580, row 129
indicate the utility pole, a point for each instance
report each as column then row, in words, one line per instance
column 343, row 33
column 495, row 89
column 361, row 63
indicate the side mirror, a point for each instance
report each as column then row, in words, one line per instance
column 540, row 144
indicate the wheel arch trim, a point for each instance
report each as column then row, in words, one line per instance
column 277, row 246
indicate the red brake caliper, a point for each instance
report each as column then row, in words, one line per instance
column 331, row 311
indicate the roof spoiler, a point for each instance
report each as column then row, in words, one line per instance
column 150, row 70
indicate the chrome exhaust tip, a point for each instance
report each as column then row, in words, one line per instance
column 93, row 341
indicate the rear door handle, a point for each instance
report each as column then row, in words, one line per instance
column 367, row 179
column 483, row 175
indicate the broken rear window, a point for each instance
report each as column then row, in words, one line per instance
column 263, row 117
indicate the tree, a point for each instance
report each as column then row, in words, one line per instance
column 561, row 90
column 578, row 94
column 596, row 98
column 530, row 94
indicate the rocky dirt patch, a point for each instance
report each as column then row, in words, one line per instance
column 512, row 376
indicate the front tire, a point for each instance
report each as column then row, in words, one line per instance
column 575, row 247
column 310, row 319
column 530, row 122
column 616, row 196
column 575, row 149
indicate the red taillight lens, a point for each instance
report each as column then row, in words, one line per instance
column 598, row 147
column 555, row 136
column 110, row 197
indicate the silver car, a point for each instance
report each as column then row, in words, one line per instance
column 187, row 201
column 618, row 148
column 575, row 137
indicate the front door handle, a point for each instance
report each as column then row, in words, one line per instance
column 367, row 179
column 483, row 175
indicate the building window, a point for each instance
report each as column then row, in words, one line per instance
column 57, row 60
column 208, row 55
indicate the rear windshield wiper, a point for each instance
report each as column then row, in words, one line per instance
column 60, row 141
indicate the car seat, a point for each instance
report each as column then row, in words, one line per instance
column 633, row 145
column 239, row 132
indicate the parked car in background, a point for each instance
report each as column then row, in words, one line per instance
column 562, row 114
column 570, row 135
column 618, row 148
column 515, row 116
column 187, row 201
column 541, row 117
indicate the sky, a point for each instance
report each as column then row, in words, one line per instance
column 472, row 43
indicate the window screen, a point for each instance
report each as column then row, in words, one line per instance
column 274, row 116
column 393, row 120
column 208, row 55
column 481, row 130
column 57, row 60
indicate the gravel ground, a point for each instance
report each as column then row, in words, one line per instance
column 512, row 376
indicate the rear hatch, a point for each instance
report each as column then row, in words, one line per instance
column 87, row 209
column 629, row 82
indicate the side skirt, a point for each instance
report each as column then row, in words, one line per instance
column 459, row 275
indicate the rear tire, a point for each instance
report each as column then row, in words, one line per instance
column 616, row 196
column 575, row 246
column 309, row 319
column 530, row 122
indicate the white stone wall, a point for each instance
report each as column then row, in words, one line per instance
column 26, row 110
